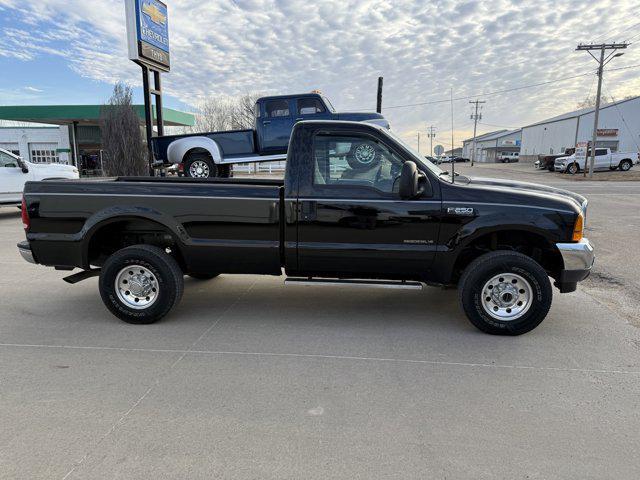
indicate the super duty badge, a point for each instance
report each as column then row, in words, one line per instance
column 467, row 211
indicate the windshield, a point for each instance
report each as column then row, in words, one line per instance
column 418, row 156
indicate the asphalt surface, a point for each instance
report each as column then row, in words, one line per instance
column 247, row 379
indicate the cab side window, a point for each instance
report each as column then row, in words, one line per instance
column 7, row 161
column 310, row 106
column 348, row 161
column 601, row 151
column 277, row 108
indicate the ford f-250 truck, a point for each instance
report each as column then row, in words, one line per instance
column 204, row 155
column 357, row 206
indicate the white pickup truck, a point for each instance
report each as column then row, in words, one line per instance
column 605, row 160
column 15, row 172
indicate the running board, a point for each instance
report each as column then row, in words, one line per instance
column 353, row 283
column 83, row 275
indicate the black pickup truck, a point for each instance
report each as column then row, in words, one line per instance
column 357, row 206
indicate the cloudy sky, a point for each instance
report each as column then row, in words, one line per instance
column 72, row 51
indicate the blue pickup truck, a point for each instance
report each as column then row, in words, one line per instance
column 205, row 155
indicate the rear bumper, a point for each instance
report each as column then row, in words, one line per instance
column 25, row 251
column 578, row 259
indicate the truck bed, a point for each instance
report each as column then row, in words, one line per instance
column 228, row 224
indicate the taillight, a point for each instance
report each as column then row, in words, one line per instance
column 578, row 228
column 181, row 167
column 26, row 221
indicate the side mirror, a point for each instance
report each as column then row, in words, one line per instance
column 23, row 166
column 412, row 181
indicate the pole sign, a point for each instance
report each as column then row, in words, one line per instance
column 148, row 33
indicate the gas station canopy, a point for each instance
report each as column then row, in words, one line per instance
column 83, row 115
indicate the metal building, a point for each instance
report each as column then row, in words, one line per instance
column 492, row 146
column 618, row 129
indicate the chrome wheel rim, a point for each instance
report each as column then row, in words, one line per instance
column 365, row 154
column 507, row 297
column 199, row 169
column 625, row 166
column 137, row 287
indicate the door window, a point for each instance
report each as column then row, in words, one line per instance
column 310, row 106
column 7, row 161
column 278, row 108
column 601, row 151
column 355, row 161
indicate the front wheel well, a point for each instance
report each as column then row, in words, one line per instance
column 116, row 235
column 528, row 243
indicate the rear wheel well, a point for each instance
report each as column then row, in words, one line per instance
column 116, row 235
column 197, row 151
column 530, row 244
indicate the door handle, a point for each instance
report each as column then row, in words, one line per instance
column 298, row 119
column 266, row 123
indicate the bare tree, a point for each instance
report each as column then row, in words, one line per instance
column 224, row 113
column 121, row 136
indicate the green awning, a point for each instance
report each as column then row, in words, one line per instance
column 83, row 114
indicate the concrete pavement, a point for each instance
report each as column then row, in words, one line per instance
column 249, row 379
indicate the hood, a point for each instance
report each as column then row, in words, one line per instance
column 578, row 200
column 359, row 116
column 51, row 166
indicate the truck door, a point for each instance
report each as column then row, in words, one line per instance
column 276, row 125
column 12, row 179
column 351, row 221
column 603, row 159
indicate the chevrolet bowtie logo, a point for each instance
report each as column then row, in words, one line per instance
column 154, row 13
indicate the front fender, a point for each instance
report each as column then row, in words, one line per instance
column 179, row 148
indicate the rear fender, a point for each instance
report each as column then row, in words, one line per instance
column 121, row 213
column 177, row 149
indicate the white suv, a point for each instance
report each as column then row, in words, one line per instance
column 15, row 172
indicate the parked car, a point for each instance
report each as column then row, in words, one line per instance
column 204, row 155
column 548, row 161
column 508, row 157
column 357, row 206
column 605, row 159
column 15, row 172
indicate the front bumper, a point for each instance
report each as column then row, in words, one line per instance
column 578, row 259
column 25, row 251
column 559, row 167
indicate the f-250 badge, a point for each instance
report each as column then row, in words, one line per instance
column 460, row 211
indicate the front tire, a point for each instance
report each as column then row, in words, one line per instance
column 505, row 293
column 573, row 168
column 141, row 284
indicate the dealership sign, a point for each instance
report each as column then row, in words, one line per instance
column 607, row 132
column 148, row 33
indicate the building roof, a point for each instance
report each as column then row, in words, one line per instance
column 82, row 114
column 484, row 135
column 500, row 134
column 580, row 112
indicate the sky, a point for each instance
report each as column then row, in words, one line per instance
column 72, row 52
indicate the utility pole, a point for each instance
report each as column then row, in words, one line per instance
column 602, row 61
column 431, row 136
column 475, row 117
column 379, row 103
column 418, row 142
column 453, row 168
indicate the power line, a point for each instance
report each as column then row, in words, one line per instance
column 488, row 94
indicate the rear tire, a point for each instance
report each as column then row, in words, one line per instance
column 141, row 284
column 505, row 293
column 200, row 165
column 625, row 165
